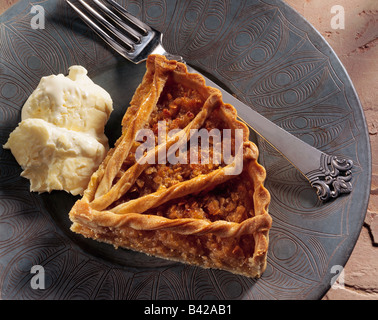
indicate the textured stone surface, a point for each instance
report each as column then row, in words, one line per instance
column 357, row 48
column 5, row 4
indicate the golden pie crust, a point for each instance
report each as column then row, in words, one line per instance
column 195, row 213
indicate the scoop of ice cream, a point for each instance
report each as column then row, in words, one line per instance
column 60, row 140
column 73, row 102
column 55, row 158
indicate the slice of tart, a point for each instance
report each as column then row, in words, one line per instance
column 182, row 182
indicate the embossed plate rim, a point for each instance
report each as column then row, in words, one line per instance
column 40, row 213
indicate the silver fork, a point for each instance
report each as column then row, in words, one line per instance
column 134, row 40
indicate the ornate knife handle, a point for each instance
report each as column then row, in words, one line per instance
column 331, row 175
column 332, row 178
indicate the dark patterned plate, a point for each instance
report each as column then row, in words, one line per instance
column 265, row 53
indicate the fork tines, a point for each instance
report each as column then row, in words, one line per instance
column 115, row 25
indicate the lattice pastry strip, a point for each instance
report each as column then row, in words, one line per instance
column 206, row 215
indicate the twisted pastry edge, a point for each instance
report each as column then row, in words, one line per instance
column 95, row 224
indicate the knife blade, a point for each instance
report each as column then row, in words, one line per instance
column 329, row 174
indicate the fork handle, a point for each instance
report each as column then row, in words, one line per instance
column 329, row 174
